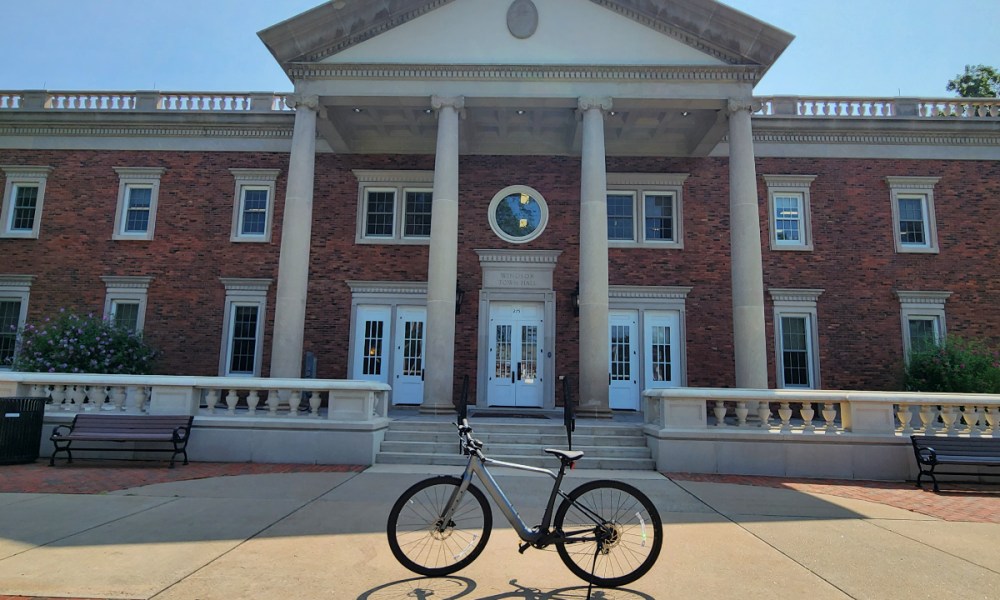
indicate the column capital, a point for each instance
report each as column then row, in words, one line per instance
column 303, row 101
column 602, row 103
column 456, row 102
column 748, row 104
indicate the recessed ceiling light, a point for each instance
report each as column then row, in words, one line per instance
column 685, row 113
column 520, row 111
column 357, row 110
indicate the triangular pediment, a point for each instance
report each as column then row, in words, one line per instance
column 602, row 32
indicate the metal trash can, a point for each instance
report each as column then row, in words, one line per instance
column 20, row 429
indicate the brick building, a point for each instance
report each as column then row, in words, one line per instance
column 515, row 201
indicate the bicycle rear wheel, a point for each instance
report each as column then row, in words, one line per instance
column 422, row 543
column 613, row 533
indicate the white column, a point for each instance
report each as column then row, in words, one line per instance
column 593, row 262
column 442, row 271
column 296, row 235
column 749, row 339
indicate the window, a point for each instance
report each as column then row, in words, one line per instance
column 14, row 291
column 125, row 301
column 796, row 338
column 789, row 210
column 913, row 213
column 518, row 214
column 253, row 208
column 21, row 213
column 645, row 209
column 922, row 319
column 394, row 207
column 138, row 191
column 243, row 328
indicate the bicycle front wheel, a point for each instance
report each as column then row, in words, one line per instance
column 420, row 539
column 613, row 533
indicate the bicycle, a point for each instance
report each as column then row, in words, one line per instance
column 606, row 532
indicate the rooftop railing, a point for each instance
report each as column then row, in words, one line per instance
column 269, row 102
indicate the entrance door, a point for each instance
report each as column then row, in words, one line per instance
column 371, row 361
column 662, row 346
column 623, row 368
column 408, row 360
column 516, row 365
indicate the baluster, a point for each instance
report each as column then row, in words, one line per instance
column 720, row 413
column 252, row 399
column 77, row 395
column 141, row 398
column 949, row 418
column 764, row 412
column 59, row 397
column 294, row 400
column 96, row 395
column 970, row 414
column 928, row 417
column 118, row 397
column 785, row 414
column 741, row 413
column 807, row 413
column 273, row 400
column 314, row 402
column 232, row 399
column 830, row 416
column 905, row 417
column 211, row 399
column 993, row 419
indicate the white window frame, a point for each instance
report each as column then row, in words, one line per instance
column 243, row 292
column 126, row 290
column 398, row 183
column 16, row 288
column 797, row 186
column 543, row 219
column 253, row 179
column 639, row 186
column 19, row 176
column 136, row 178
column 800, row 303
column 923, row 306
column 921, row 188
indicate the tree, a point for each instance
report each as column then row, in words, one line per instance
column 979, row 81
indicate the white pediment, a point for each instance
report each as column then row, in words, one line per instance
column 569, row 32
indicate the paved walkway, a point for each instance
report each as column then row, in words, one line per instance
column 103, row 529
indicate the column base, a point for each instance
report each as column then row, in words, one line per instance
column 594, row 413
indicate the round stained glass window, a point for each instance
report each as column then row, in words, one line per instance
column 518, row 214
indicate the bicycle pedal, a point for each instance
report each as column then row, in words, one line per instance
column 522, row 547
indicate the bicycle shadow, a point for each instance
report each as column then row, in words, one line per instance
column 453, row 588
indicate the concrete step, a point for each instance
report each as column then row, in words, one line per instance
column 551, row 428
column 545, row 461
column 515, row 449
column 542, row 439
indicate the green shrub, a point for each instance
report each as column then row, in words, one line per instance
column 956, row 365
column 73, row 344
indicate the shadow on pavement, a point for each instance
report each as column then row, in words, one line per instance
column 453, row 588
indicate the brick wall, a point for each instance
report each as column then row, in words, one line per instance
column 854, row 258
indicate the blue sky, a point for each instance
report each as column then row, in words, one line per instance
column 869, row 48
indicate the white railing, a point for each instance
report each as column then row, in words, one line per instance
column 10, row 100
column 878, row 108
column 244, row 397
column 212, row 102
column 823, row 412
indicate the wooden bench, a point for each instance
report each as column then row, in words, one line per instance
column 933, row 451
column 173, row 430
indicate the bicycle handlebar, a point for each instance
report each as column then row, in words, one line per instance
column 469, row 444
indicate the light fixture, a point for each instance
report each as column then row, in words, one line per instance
column 574, row 297
column 685, row 113
column 520, row 111
column 358, row 110
column 428, row 111
column 459, row 296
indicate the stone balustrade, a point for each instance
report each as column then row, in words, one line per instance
column 244, row 397
column 820, row 412
column 878, row 108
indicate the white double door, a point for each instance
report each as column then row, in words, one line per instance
column 516, row 356
column 391, row 349
column 652, row 360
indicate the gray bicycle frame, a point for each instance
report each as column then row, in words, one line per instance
column 477, row 466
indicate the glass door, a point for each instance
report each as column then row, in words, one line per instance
column 623, row 371
column 408, row 362
column 515, row 355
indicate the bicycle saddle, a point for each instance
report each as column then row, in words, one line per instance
column 565, row 455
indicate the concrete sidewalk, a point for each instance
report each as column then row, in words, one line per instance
column 321, row 535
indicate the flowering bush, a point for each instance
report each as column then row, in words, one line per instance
column 957, row 365
column 73, row 344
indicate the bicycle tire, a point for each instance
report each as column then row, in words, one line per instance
column 419, row 546
column 630, row 527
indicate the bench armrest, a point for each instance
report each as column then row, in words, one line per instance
column 181, row 433
column 60, row 431
column 927, row 455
